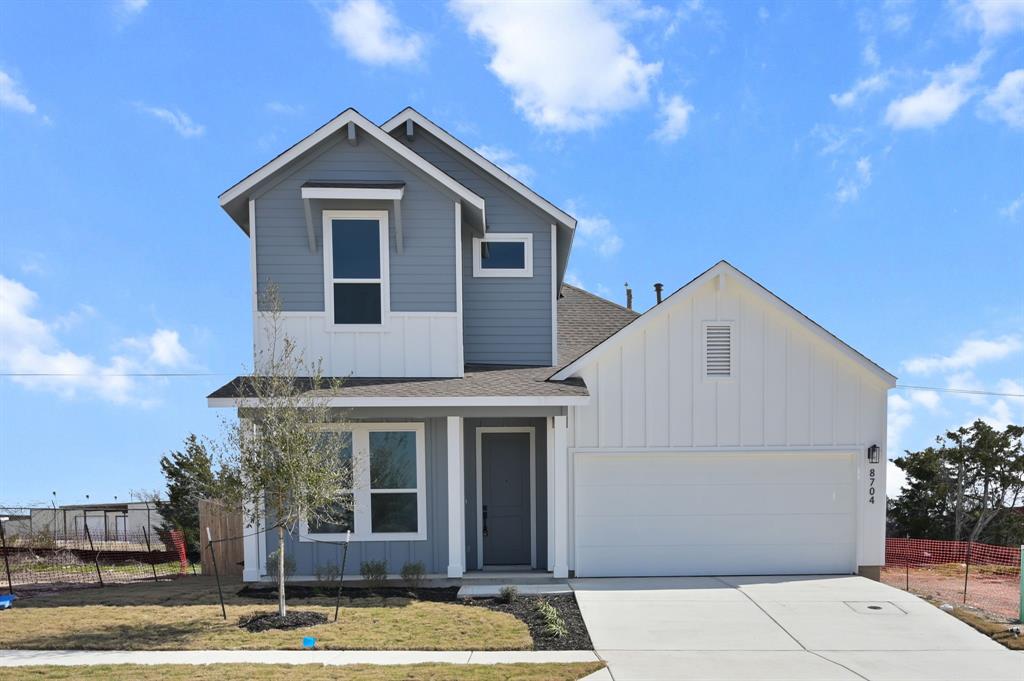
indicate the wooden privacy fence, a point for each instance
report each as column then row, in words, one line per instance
column 227, row 530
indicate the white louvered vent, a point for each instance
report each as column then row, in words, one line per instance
column 718, row 350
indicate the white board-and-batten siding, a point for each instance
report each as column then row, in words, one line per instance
column 791, row 390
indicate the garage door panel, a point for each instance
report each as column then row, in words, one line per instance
column 686, row 499
column 722, row 513
column 734, row 559
column 718, row 468
column 714, row 530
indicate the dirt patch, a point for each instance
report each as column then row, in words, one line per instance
column 300, row 591
column 994, row 592
column 524, row 608
column 295, row 619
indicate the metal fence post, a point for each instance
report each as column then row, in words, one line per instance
column 967, row 569
column 906, row 562
column 341, row 575
column 95, row 553
column 7, row 564
column 149, row 547
column 216, row 573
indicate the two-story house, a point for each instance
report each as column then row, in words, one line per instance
column 537, row 425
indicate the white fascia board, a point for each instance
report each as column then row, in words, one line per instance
column 364, row 193
column 722, row 268
column 480, row 161
column 333, row 126
column 510, row 401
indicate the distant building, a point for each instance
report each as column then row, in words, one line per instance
column 106, row 522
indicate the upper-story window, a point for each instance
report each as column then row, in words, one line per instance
column 503, row 255
column 356, row 268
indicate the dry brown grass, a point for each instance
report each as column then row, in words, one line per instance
column 311, row 672
column 185, row 615
column 998, row 631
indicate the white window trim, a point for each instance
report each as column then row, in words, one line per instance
column 732, row 350
column 480, row 431
column 362, row 492
column 526, row 239
column 381, row 216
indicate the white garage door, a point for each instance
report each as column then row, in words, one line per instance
column 714, row 514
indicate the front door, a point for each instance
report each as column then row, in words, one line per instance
column 505, row 497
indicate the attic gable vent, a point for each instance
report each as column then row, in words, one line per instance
column 718, row 350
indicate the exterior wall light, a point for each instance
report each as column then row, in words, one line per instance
column 874, row 452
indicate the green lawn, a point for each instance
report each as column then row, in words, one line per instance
column 310, row 672
column 185, row 615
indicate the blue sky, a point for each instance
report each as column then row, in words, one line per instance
column 864, row 161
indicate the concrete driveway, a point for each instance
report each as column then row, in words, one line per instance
column 785, row 628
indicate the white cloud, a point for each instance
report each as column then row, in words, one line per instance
column 178, row 120
column 966, row 380
column 506, row 160
column 901, row 417
column 284, row 109
column 870, row 55
column 573, row 279
column 968, row 355
column 568, row 64
column 895, row 479
column 675, row 113
column 127, row 11
column 371, row 33
column 849, row 188
column 31, row 346
column 595, row 232
column 929, row 399
column 993, row 18
column 763, row 14
column 1006, row 101
column 864, row 86
column 1011, row 209
column 948, row 90
column 12, row 97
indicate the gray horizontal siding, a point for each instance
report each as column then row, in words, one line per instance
column 432, row 552
column 505, row 320
column 422, row 276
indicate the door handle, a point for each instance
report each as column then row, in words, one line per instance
column 485, row 519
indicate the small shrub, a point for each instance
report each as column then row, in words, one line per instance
column 375, row 572
column 328, row 573
column 289, row 564
column 554, row 625
column 413, row 574
column 508, row 594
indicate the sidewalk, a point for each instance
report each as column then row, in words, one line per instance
column 20, row 658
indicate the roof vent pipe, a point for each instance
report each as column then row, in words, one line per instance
column 629, row 297
column 657, row 291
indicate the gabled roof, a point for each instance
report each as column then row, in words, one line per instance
column 688, row 289
column 235, row 199
column 411, row 114
column 584, row 320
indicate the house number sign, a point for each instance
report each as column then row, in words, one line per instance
column 871, row 485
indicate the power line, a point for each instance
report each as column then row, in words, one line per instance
column 958, row 390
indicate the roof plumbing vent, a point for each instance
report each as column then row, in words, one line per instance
column 657, row 291
column 629, row 297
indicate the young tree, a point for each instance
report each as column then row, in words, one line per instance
column 276, row 463
column 972, row 478
column 190, row 477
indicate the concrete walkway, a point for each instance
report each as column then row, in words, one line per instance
column 784, row 628
column 20, row 658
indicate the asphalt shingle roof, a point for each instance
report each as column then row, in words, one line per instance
column 584, row 320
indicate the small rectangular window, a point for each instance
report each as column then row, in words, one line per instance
column 356, row 268
column 503, row 255
column 393, row 481
column 718, row 359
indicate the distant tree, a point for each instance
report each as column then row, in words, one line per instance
column 275, row 462
column 190, row 477
column 970, row 486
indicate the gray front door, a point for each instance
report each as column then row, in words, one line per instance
column 505, row 497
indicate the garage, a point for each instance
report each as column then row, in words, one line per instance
column 715, row 513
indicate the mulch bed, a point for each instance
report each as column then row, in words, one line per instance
column 522, row 608
column 295, row 619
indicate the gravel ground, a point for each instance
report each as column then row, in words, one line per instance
column 995, row 594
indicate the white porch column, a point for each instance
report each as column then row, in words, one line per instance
column 250, row 529
column 456, row 500
column 550, row 477
column 560, row 456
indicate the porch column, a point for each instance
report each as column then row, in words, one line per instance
column 456, row 500
column 560, row 455
column 250, row 527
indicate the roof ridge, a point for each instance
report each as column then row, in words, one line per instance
column 601, row 298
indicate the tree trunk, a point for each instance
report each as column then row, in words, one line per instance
column 282, row 608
